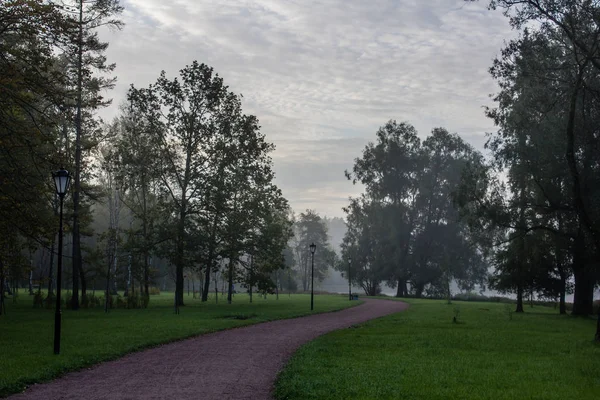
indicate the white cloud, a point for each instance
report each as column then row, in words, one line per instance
column 322, row 76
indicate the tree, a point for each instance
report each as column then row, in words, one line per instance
column 368, row 243
column 31, row 91
column 137, row 163
column 86, row 52
column 214, row 167
column 540, row 77
column 310, row 228
column 405, row 228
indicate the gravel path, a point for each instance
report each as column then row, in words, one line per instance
column 240, row 363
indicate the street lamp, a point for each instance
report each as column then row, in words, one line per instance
column 349, row 281
column 312, row 247
column 61, row 181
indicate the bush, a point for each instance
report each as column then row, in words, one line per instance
column 153, row 291
column 470, row 296
column 50, row 300
column 145, row 301
column 120, row 302
column 38, row 300
column 85, row 301
column 95, row 301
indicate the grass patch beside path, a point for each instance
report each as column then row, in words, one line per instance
column 421, row 354
column 91, row 336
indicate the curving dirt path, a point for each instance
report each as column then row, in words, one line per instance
column 240, row 363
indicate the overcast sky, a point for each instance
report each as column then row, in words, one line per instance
column 322, row 76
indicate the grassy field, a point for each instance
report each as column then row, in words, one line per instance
column 422, row 354
column 90, row 336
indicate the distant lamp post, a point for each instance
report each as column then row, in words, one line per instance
column 312, row 247
column 349, row 280
column 61, row 181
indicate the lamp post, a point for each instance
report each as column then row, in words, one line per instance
column 61, row 181
column 349, row 280
column 312, row 247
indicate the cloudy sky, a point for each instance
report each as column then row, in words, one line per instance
column 322, row 76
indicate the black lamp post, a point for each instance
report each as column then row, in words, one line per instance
column 349, row 280
column 312, row 247
column 61, row 181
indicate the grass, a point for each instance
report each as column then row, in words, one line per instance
column 91, row 336
column 422, row 354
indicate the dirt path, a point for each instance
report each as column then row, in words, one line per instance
column 240, row 363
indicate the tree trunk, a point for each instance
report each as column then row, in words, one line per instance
column 578, row 196
column 598, row 326
column 216, row 291
column 31, row 280
column 401, row 290
column 583, row 300
column 114, row 290
column 2, row 308
column 146, row 277
column 419, row 290
column 77, row 184
column 230, row 281
column 83, row 284
column 251, row 275
column 211, row 256
column 206, row 282
column 107, row 292
column 563, row 292
column 201, row 284
column 180, row 255
column 145, row 233
column 519, row 298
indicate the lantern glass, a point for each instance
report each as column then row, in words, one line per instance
column 61, row 181
column 313, row 247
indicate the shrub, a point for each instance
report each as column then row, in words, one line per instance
column 120, row 302
column 153, row 291
column 85, row 301
column 65, row 301
column 470, row 296
column 50, row 300
column 95, row 301
column 110, row 301
column 145, row 301
column 456, row 314
column 134, row 301
column 38, row 300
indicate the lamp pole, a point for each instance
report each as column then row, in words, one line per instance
column 61, row 180
column 312, row 247
column 349, row 280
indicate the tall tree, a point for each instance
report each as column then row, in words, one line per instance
column 310, row 228
column 209, row 151
column 405, row 228
column 87, row 55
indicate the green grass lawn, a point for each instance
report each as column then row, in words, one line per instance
column 422, row 354
column 90, row 336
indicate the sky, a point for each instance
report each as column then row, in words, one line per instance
column 323, row 76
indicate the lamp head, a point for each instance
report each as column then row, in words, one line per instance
column 62, row 178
